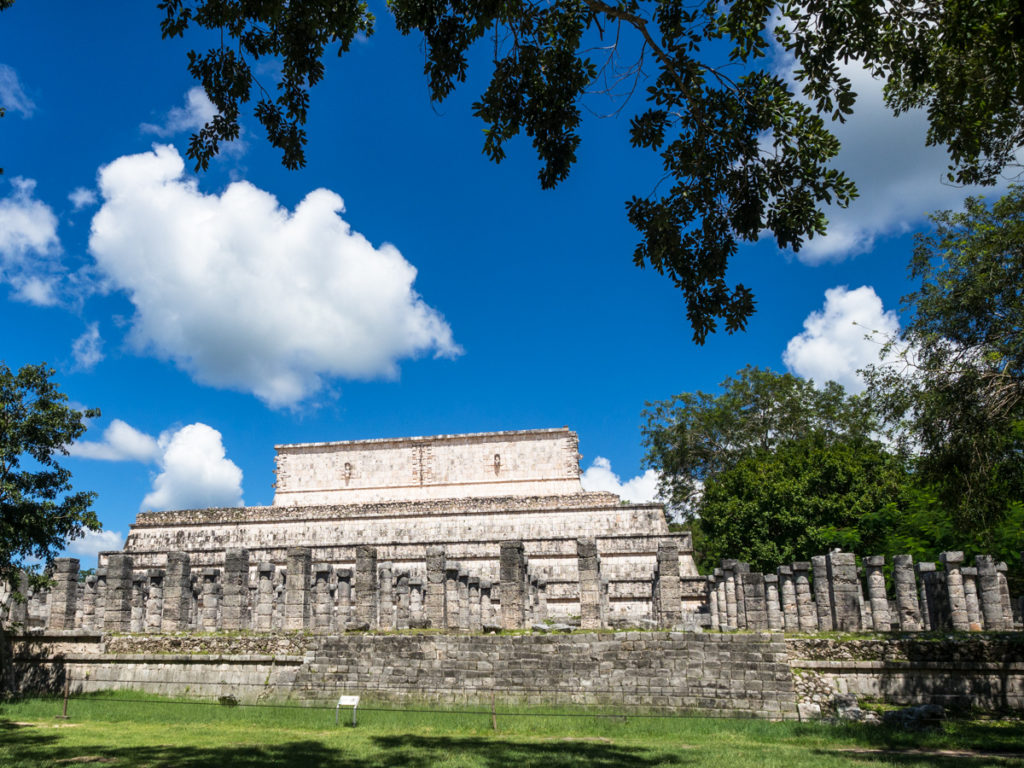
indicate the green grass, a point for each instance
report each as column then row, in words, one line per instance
column 134, row 729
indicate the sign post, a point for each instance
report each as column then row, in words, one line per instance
column 346, row 701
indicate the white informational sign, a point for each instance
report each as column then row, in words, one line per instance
column 346, row 701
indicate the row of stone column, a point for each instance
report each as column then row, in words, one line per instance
column 826, row 594
column 303, row 595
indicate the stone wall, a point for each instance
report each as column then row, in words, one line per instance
column 746, row 674
column 526, row 463
column 713, row 675
column 959, row 672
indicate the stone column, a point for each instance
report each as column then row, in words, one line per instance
column 177, row 592
column 723, row 606
column 63, row 594
column 667, row 584
column 19, row 610
column 771, row 595
column 235, row 590
column 386, row 608
column 402, row 595
column 366, row 586
column 154, row 600
column 755, row 606
column 712, row 598
column 486, row 609
column 344, row 596
column 462, row 585
column 89, row 604
column 822, row 593
column 844, row 591
column 451, row 595
column 1004, row 596
column 876, row 592
column 323, row 604
column 731, row 609
column 513, row 608
column 140, row 592
column 590, row 583
column 542, row 599
column 953, row 562
column 296, row 588
column 101, row 597
column 416, row 603
column 970, row 577
column 117, row 613
column 741, row 608
column 434, row 599
column 209, row 598
column 926, row 592
column 906, row 593
column 474, row 604
column 807, row 615
column 264, row 597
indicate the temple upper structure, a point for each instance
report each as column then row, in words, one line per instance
column 534, row 462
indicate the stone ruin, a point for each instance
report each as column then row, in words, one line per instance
column 827, row 594
column 408, row 532
column 470, row 533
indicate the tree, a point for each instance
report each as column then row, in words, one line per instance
column 39, row 512
column 742, row 153
column 800, row 499
column 955, row 392
column 773, row 468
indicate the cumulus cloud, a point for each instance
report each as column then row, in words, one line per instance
column 845, row 336
column 81, row 197
column 94, row 542
column 600, row 477
column 194, row 469
column 196, row 113
column 87, row 349
column 900, row 180
column 12, row 96
column 244, row 294
column 196, row 472
column 29, row 246
column 121, row 442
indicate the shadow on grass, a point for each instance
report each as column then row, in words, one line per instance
column 28, row 746
column 977, row 744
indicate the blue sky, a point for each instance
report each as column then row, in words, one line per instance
column 211, row 316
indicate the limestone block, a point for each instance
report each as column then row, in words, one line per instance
column 63, row 594
column 823, row 593
column 876, row 592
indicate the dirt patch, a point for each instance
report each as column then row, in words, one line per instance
column 968, row 753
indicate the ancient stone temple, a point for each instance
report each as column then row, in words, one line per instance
column 406, row 498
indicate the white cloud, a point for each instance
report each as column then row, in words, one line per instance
column 94, row 542
column 196, row 113
column 599, row 477
column 194, row 469
column 29, row 247
column 900, row 180
column 244, row 294
column 81, row 198
column 834, row 344
column 196, row 472
column 12, row 97
column 88, row 348
column 121, row 442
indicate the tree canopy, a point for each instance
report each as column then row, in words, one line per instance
column 39, row 512
column 773, row 469
column 742, row 153
column 955, row 393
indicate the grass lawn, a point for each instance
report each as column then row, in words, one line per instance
column 133, row 729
